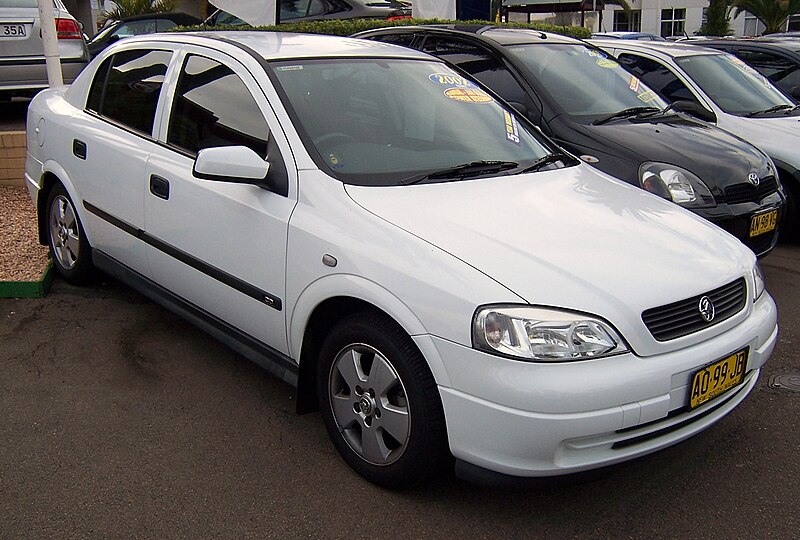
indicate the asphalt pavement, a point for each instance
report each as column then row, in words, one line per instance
column 118, row 419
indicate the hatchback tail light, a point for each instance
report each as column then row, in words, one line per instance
column 68, row 29
column 398, row 17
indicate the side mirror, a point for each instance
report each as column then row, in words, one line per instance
column 519, row 107
column 695, row 109
column 796, row 93
column 113, row 38
column 236, row 164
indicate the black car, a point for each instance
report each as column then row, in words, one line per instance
column 776, row 59
column 599, row 111
column 139, row 24
column 312, row 10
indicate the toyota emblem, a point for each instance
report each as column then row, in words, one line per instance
column 753, row 179
column 706, row 308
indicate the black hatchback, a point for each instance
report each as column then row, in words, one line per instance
column 776, row 59
column 596, row 109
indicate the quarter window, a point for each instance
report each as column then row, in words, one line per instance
column 673, row 22
column 126, row 88
column 213, row 107
column 657, row 76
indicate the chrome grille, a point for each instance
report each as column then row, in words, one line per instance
column 683, row 318
column 747, row 192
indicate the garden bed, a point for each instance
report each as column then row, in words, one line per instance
column 25, row 268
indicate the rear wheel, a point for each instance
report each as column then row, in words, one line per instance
column 69, row 248
column 379, row 401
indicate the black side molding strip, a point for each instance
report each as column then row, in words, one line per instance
column 273, row 361
column 211, row 271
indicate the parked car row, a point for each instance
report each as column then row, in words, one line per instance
column 441, row 278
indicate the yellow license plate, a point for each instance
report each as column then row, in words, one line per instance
column 761, row 223
column 713, row 380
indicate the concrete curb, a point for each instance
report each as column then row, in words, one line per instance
column 29, row 289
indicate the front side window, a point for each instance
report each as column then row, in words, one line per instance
column 127, row 86
column 779, row 70
column 583, row 81
column 213, row 107
column 387, row 121
column 733, row 85
column 658, row 77
column 480, row 64
column 673, row 22
column 628, row 22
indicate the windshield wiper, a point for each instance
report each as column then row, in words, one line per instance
column 624, row 113
column 473, row 168
column 540, row 164
column 776, row 108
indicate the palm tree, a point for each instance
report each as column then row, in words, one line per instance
column 773, row 13
column 129, row 8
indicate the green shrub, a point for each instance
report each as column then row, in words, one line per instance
column 347, row 27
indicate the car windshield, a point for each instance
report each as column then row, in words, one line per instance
column 734, row 86
column 583, row 81
column 387, row 121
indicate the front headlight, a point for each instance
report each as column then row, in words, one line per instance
column 540, row 334
column 758, row 282
column 675, row 184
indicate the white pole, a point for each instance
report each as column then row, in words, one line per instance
column 50, row 42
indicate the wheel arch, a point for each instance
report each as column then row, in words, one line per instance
column 52, row 174
column 342, row 296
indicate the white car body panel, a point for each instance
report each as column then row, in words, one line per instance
column 429, row 256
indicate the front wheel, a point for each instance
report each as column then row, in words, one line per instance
column 380, row 403
column 69, row 248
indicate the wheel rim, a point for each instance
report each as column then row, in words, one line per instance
column 64, row 235
column 369, row 404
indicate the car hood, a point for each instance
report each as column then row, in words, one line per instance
column 779, row 137
column 572, row 238
column 718, row 158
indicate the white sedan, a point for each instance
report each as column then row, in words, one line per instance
column 426, row 267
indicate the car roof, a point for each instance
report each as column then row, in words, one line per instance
column 623, row 35
column 500, row 34
column 667, row 48
column 765, row 42
column 285, row 45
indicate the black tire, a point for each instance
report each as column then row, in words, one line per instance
column 69, row 248
column 393, row 379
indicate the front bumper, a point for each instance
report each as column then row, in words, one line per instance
column 736, row 218
column 25, row 75
column 533, row 419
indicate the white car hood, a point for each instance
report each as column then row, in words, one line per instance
column 571, row 238
column 778, row 137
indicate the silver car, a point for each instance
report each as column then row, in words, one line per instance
column 22, row 65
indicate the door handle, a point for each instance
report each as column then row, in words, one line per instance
column 79, row 149
column 159, row 187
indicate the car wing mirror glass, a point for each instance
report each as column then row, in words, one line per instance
column 695, row 109
column 796, row 93
column 237, row 164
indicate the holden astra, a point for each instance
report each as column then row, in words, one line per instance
column 441, row 280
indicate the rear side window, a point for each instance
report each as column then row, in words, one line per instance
column 213, row 107
column 657, row 76
column 127, row 86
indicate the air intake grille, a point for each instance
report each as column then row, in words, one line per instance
column 747, row 192
column 683, row 318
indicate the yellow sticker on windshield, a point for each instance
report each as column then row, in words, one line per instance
column 647, row 96
column 512, row 129
column 335, row 163
column 634, row 83
column 607, row 63
column 468, row 95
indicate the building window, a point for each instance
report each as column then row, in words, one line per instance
column 628, row 22
column 752, row 26
column 673, row 21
